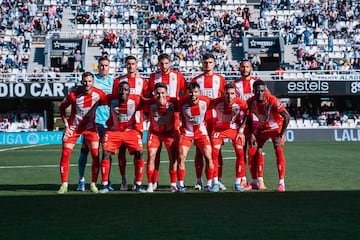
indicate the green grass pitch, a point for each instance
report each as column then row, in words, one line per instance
column 321, row 201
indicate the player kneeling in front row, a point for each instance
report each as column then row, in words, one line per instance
column 273, row 120
column 83, row 101
column 231, row 113
column 161, row 111
column 121, row 130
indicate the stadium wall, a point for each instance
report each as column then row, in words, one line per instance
column 292, row 135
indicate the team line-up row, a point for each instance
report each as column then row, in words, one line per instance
column 204, row 112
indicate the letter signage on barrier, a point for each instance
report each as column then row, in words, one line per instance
column 292, row 135
column 309, row 87
column 35, row 90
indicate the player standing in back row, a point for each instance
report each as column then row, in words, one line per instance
column 211, row 85
column 139, row 87
column 244, row 90
column 176, row 87
column 104, row 82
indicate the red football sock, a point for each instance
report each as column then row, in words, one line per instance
column 209, row 173
column 260, row 164
column 64, row 164
column 220, row 165
column 181, row 174
column 252, row 161
column 139, row 170
column 280, row 162
column 95, row 164
column 173, row 177
column 149, row 174
column 105, row 170
column 215, row 156
column 199, row 164
column 240, row 166
column 157, row 166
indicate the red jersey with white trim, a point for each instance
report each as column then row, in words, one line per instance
column 174, row 80
column 122, row 115
column 138, row 85
column 229, row 116
column 244, row 87
column 161, row 116
column 83, row 108
column 210, row 86
column 267, row 112
column 193, row 116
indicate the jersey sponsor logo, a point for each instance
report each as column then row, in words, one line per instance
column 35, row 90
column 208, row 93
column 196, row 120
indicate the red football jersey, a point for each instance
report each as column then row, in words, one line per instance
column 174, row 80
column 138, row 85
column 162, row 118
column 244, row 87
column 83, row 108
column 193, row 116
column 122, row 115
column 267, row 112
column 229, row 116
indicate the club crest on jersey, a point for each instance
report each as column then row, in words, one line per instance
column 131, row 106
column 235, row 110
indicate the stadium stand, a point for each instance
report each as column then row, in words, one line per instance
column 321, row 38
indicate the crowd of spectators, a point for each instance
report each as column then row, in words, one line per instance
column 327, row 33
column 327, row 115
column 183, row 29
column 19, row 22
column 19, row 122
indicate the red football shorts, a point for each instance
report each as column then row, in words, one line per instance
column 89, row 136
column 262, row 137
column 199, row 141
column 219, row 136
column 154, row 140
column 114, row 139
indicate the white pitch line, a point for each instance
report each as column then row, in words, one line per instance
column 22, row 147
column 74, row 165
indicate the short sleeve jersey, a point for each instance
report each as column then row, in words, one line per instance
column 161, row 116
column 122, row 115
column 229, row 116
column 267, row 112
column 193, row 116
column 138, row 85
column 210, row 86
column 174, row 80
column 244, row 87
column 83, row 108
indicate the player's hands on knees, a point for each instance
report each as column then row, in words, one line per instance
column 241, row 136
column 252, row 141
column 278, row 141
column 67, row 133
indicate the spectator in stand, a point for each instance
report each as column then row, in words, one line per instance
column 256, row 62
column 78, row 66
